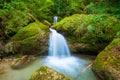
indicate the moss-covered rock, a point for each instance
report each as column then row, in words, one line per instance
column 46, row 73
column 107, row 63
column 89, row 29
column 30, row 39
column 45, row 22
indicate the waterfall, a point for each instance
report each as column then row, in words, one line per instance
column 55, row 19
column 57, row 45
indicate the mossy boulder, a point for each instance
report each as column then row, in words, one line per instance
column 30, row 39
column 46, row 73
column 107, row 63
column 89, row 29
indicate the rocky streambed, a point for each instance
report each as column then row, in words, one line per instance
column 71, row 68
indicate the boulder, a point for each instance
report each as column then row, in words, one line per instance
column 46, row 73
column 92, row 30
column 107, row 63
column 21, row 62
column 31, row 39
column 86, row 48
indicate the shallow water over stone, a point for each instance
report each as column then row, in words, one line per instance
column 70, row 66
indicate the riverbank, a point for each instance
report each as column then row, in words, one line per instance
column 5, row 66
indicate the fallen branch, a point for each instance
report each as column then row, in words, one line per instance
column 87, row 67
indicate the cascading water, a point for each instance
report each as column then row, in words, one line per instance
column 55, row 19
column 59, row 59
column 58, row 45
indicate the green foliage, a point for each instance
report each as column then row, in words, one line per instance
column 13, row 17
column 105, row 7
column 96, row 27
column 68, row 7
column 118, row 34
column 39, row 8
column 89, row 28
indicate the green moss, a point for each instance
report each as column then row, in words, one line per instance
column 28, row 39
column 89, row 28
column 46, row 73
column 43, row 26
column 28, row 31
column 45, row 22
column 109, row 59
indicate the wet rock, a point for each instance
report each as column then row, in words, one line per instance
column 21, row 62
column 46, row 73
column 86, row 48
column 28, row 40
column 107, row 63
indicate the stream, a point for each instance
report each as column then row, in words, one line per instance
column 73, row 67
column 60, row 59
